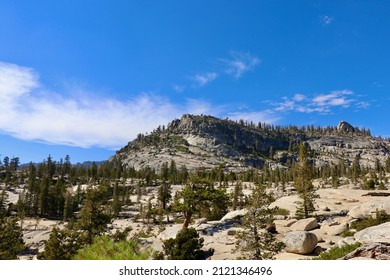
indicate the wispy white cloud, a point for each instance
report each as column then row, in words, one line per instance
column 326, row 20
column 31, row 112
column 204, row 79
column 362, row 104
column 376, row 84
column 239, row 63
column 322, row 103
column 299, row 97
column 178, row 88
column 334, row 98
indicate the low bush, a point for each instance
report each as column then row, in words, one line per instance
column 282, row 212
column 380, row 218
column 336, row 252
column 104, row 248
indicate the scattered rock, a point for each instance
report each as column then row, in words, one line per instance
column 300, row 242
column 304, row 225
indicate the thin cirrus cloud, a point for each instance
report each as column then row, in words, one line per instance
column 322, row 103
column 204, row 79
column 236, row 66
column 326, row 20
column 31, row 112
column 239, row 63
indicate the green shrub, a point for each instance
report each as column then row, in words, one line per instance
column 380, row 218
column 336, row 252
column 103, row 248
column 186, row 246
column 11, row 239
column 62, row 244
column 347, row 233
column 282, row 212
column 369, row 185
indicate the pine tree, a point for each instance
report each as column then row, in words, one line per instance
column 164, row 195
column 237, row 196
column 94, row 217
column 303, row 184
column 200, row 197
column 62, row 244
column 11, row 239
column 68, row 206
column 356, row 169
column 116, row 204
column 256, row 242
column 186, row 246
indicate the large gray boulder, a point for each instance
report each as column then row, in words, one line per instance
column 337, row 229
column 300, row 242
column 304, row 225
column 375, row 234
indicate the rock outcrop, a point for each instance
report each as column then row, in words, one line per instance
column 375, row 234
column 370, row 251
column 345, row 127
column 369, row 209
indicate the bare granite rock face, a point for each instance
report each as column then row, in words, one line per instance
column 208, row 142
column 375, row 234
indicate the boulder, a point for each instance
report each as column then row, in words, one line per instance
column 377, row 234
column 304, row 225
column 300, row 242
column 234, row 215
column 337, row 229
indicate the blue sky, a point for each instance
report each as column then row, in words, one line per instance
column 85, row 77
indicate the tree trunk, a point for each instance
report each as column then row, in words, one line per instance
column 187, row 220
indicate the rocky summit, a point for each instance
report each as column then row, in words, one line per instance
column 208, row 142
